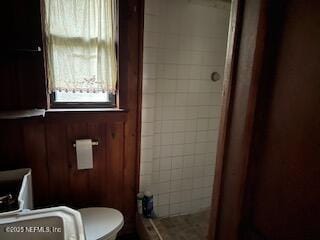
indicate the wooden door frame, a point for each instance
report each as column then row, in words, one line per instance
column 233, row 39
column 245, row 53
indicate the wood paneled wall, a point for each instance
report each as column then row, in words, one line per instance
column 45, row 144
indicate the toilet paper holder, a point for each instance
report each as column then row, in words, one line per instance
column 94, row 143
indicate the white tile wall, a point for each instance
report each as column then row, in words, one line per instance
column 184, row 42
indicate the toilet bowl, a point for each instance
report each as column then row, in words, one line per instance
column 101, row 223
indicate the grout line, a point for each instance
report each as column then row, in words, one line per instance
column 155, row 229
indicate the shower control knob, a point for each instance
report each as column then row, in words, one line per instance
column 215, row 76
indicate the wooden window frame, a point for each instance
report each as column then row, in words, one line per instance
column 110, row 104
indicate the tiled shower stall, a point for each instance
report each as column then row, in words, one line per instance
column 184, row 43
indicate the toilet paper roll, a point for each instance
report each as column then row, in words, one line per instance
column 84, row 154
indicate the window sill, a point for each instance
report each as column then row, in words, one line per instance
column 58, row 110
column 86, row 114
column 67, row 114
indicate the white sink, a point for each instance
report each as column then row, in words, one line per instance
column 56, row 223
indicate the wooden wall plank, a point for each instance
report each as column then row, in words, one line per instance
column 115, row 143
column 97, row 176
column 131, row 39
column 58, row 163
column 78, row 179
column 35, row 157
column 11, row 147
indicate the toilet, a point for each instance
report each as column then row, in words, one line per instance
column 101, row 223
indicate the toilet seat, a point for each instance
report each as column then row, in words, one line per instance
column 101, row 222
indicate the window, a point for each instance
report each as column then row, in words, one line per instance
column 81, row 52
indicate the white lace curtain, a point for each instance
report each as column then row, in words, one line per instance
column 81, row 49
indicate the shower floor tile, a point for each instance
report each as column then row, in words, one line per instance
column 187, row 227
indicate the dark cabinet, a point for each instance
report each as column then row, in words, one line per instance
column 22, row 75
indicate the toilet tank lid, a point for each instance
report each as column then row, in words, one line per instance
column 101, row 222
